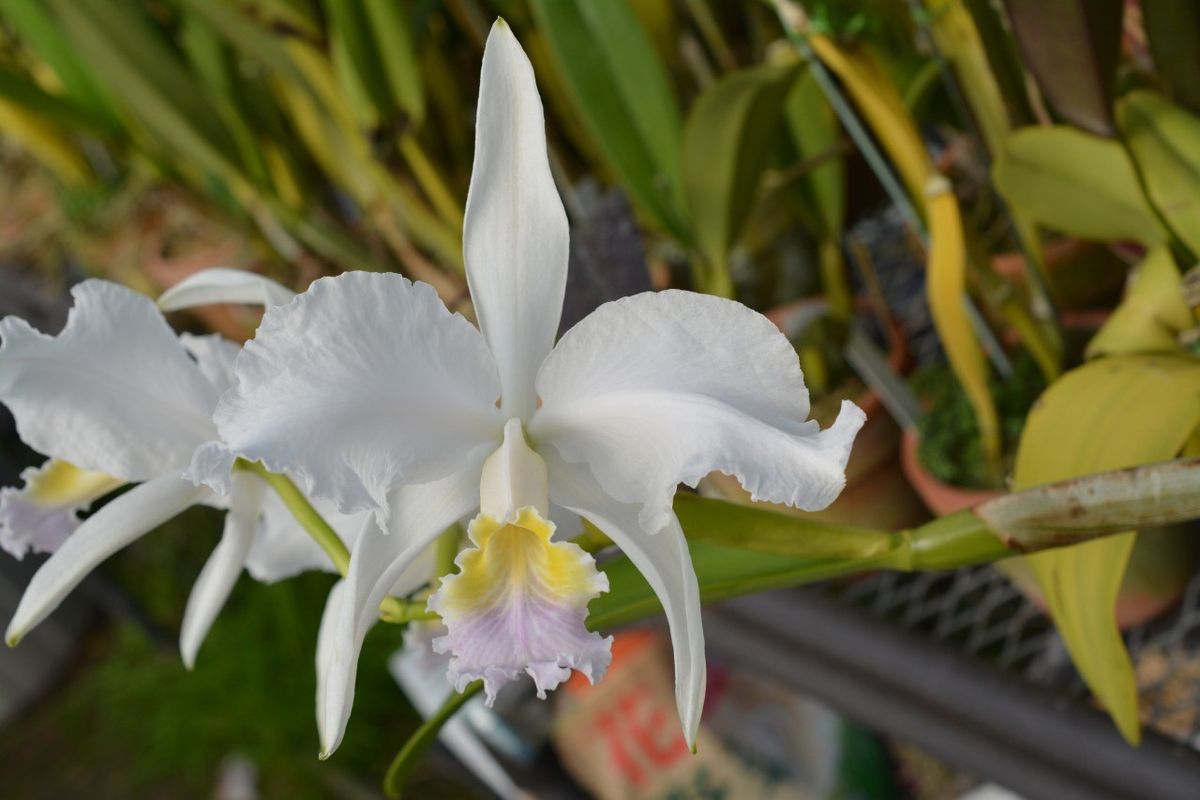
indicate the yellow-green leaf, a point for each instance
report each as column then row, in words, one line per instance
column 1152, row 315
column 1076, row 183
column 1109, row 414
column 1165, row 142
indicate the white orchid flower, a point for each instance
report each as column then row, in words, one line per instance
column 373, row 394
column 118, row 398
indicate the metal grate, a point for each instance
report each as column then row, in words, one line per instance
column 979, row 612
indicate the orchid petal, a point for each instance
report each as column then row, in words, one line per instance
column 223, row 567
column 660, row 389
column 362, row 383
column 283, row 549
column 121, row 522
column 115, row 392
column 518, row 604
column 663, row 558
column 515, row 236
column 40, row 515
column 214, row 356
column 420, row 513
column 326, row 638
column 224, row 285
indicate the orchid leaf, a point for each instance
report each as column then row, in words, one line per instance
column 1152, row 315
column 726, row 146
column 388, row 23
column 1173, row 28
column 816, row 134
column 1109, row 414
column 1165, row 142
column 992, row 23
column 149, row 79
column 621, row 91
column 37, row 28
column 1072, row 47
column 738, row 550
column 1077, row 184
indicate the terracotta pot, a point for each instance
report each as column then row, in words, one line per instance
column 1083, row 274
column 939, row 497
column 1160, row 565
column 876, row 494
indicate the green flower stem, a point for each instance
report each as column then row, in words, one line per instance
column 402, row 765
column 739, row 550
column 392, row 609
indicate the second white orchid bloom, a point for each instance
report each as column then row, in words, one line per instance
column 118, row 398
column 372, row 393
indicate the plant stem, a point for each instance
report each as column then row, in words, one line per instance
column 402, row 765
column 309, row 518
column 392, row 609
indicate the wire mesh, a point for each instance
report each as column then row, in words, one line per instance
column 978, row 611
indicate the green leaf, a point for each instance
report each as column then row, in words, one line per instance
column 41, row 32
column 1076, row 183
column 621, row 92
column 140, row 69
column 726, row 145
column 397, row 56
column 1152, row 315
column 1109, row 414
column 1072, row 47
column 1165, row 142
column 737, row 550
column 64, row 111
column 1173, row 29
column 815, row 133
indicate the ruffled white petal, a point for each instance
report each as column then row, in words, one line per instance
column 663, row 558
column 224, row 285
column 660, row 389
column 420, row 512
column 119, row 523
column 515, row 235
column 362, row 383
column 223, row 567
column 41, row 514
column 115, row 392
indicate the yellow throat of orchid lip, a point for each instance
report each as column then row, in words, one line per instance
column 59, row 483
column 518, row 602
column 513, row 557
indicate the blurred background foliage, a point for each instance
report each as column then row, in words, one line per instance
column 1004, row 195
